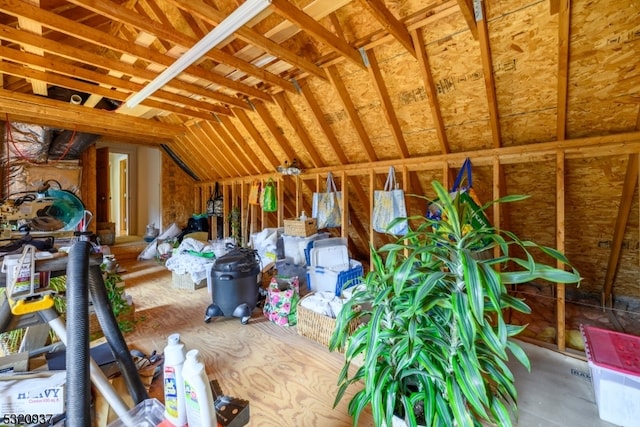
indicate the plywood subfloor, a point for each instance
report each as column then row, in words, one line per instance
column 290, row 381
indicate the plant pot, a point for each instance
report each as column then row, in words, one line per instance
column 399, row 422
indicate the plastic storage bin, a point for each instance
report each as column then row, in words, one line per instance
column 294, row 246
column 321, row 279
column 614, row 361
column 148, row 413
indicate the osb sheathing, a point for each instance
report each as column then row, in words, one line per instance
column 177, row 194
column 601, row 75
column 524, row 43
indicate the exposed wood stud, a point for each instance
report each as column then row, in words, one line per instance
column 387, row 107
column 243, row 156
column 487, row 66
column 261, row 162
column 624, row 209
column 262, row 144
column 308, row 24
column 378, row 9
column 268, row 120
column 466, row 8
column 430, row 88
column 350, row 109
column 560, row 245
column 289, row 112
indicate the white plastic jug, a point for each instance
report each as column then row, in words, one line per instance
column 200, row 407
column 174, row 397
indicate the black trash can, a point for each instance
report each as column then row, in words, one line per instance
column 234, row 285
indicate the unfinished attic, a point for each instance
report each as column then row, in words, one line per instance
column 543, row 97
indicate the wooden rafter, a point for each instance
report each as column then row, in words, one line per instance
column 487, row 67
column 290, row 113
column 268, row 120
column 626, row 203
column 215, row 150
column 100, row 62
column 387, row 106
column 99, row 38
column 114, row 11
column 310, row 25
column 564, row 32
column 466, row 8
column 390, row 23
column 38, row 110
column 39, row 87
column 233, row 143
column 350, row 109
column 257, row 138
column 228, row 125
column 249, row 35
column 69, row 77
column 207, row 152
column 430, row 89
column 319, row 117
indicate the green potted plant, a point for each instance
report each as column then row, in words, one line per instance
column 433, row 344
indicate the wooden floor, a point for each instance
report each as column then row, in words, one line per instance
column 289, row 380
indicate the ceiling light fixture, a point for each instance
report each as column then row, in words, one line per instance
column 239, row 17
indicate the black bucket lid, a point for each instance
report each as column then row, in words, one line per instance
column 239, row 259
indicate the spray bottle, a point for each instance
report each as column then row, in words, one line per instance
column 174, row 397
column 199, row 403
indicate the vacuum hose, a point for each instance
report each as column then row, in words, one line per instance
column 112, row 333
column 77, row 356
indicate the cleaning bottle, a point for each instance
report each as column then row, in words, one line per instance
column 200, row 407
column 174, row 398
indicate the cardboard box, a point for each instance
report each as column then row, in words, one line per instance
column 33, row 393
column 614, row 361
column 184, row 281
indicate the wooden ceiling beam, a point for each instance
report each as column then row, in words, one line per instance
column 47, row 112
column 189, row 146
column 74, row 29
column 231, row 146
column 227, row 131
column 257, row 138
column 387, row 106
column 77, row 74
column 318, row 115
column 274, row 129
column 310, row 25
column 251, row 36
column 351, row 111
column 299, row 129
column 466, row 8
column 389, row 22
column 215, row 156
column 227, row 154
column 80, row 86
column 39, row 87
column 487, row 67
column 114, row 11
column 430, row 89
column 117, row 67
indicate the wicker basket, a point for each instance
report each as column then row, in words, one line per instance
column 295, row 227
column 316, row 326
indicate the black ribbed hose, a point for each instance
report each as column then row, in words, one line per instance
column 118, row 345
column 77, row 356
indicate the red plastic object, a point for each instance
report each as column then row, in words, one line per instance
column 612, row 350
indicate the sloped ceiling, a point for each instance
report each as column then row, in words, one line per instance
column 326, row 82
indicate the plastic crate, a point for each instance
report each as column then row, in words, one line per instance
column 614, row 361
column 321, row 279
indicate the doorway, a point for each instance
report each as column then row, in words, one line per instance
column 119, row 206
